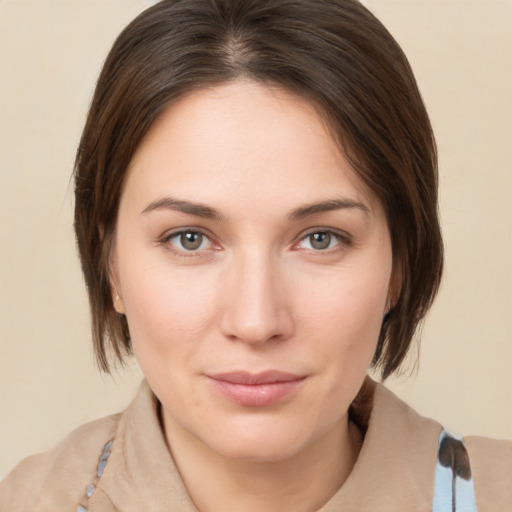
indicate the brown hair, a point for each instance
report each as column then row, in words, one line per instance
column 335, row 54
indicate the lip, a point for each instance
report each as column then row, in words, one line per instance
column 256, row 389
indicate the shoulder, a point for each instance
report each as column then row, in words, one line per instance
column 56, row 479
column 491, row 464
column 418, row 462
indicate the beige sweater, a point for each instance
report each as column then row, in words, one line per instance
column 394, row 472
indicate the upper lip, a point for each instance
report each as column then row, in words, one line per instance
column 248, row 378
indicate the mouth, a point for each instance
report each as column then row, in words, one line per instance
column 256, row 389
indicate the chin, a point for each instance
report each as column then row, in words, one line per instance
column 270, row 444
column 259, row 452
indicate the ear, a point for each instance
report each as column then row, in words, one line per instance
column 118, row 302
column 115, row 288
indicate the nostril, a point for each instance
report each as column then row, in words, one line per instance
column 271, row 328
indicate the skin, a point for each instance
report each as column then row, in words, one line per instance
column 256, row 294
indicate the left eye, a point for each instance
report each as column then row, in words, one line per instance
column 320, row 241
column 190, row 241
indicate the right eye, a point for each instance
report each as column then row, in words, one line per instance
column 189, row 241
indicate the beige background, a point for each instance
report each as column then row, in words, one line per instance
column 50, row 54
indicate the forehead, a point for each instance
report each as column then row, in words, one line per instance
column 242, row 139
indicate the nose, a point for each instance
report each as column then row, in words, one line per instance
column 256, row 307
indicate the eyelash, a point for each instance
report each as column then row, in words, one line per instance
column 184, row 253
column 343, row 241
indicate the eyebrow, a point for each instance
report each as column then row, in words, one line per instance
column 327, row 206
column 207, row 212
column 190, row 208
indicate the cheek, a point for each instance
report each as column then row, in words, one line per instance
column 167, row 311
column 348, row 302
column 345, row 316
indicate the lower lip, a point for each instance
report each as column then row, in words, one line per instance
column 256, row 395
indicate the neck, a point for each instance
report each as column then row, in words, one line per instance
column 216, row 483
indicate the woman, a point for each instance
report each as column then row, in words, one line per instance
column 256, row 213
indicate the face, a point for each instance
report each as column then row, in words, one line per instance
column 254, row 269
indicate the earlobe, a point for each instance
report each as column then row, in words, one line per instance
column 116, row 297
column 114, row 285
column 118, row 302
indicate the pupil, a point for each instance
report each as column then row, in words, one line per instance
column 320, row 240
column 191, row 241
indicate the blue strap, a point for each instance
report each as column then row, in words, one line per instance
column 454, row 490
column 91, row 488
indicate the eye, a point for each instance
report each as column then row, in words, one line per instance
column 320, row 241
column 189, row 241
